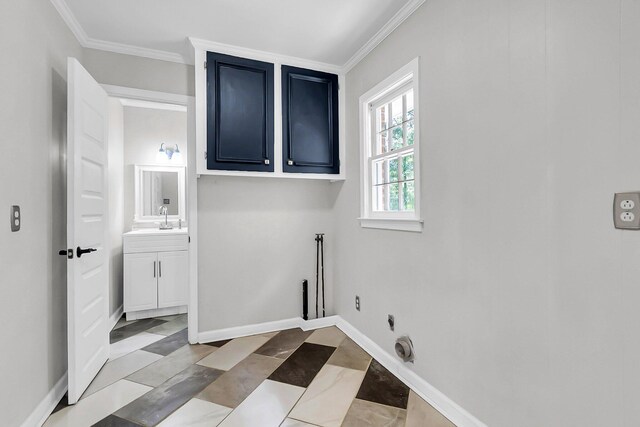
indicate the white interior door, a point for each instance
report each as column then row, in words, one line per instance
column 87, row 229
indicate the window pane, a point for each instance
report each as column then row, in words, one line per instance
column 382, row 119
column 407, row 167
column 382, row 142
column 409, row 105
column 410, row 132
column 394, row 201
column 396, row 110
column 408, row 195
column 393, row 170
column 380, row 197
column 380, row 175
column 396, row 138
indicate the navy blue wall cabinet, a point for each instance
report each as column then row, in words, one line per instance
column 309, row 121
column 239, row 114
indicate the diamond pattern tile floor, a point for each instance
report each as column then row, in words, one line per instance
column 292, row 378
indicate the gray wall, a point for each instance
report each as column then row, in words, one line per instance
column 35, row 44
column 519, row 295
column 256, row 245
column 144, row 130
column 140, row 73
column 116, row 202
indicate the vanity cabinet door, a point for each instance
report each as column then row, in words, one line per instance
column 172, row 278
column 140, row 281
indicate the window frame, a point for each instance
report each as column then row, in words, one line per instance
column 396, row 84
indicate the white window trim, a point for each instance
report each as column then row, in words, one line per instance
column 403, row 221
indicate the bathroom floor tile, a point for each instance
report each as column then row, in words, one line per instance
column 230, row 354
column 290, row 422
column 330, row 336
column 329, row 396
column 159, row 403
column 303, row 365
column 169, row 344
column 217, row 343
column 267, row 406
column 132, row 329
column 197, row 413
column 284, row 343
column 99, row 405
column 171, row 326
column 350, row 355
column 120, row 368
column 420, row 413
column 160, row 371
column 363, row 413
column 381, row 386
column 133, row 343
column 113, row 421
column 240, row 381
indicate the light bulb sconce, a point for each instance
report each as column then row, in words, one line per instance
column 169, row 151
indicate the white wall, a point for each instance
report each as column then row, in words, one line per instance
column 256, row 245
column 519, row 295
column 144, row 130
column 35, row 43
column 116, row 201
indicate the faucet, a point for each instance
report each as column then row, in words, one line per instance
column 164, row 211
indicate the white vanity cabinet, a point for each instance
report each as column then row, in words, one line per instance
column 156, row 274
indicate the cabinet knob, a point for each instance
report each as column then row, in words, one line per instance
column 266, row 161
column 290, row 162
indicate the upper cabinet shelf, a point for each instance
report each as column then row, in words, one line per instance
column 264, row 115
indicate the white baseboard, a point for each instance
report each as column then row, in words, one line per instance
column 156, row 312
column 113, row 320
column 243, row 331
column 447, row 407
column 47, row 405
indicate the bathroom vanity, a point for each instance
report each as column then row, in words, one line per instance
column 156, row 274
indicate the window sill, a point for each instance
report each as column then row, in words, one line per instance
column 414, row 225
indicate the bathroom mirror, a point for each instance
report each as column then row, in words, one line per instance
column 158, row 186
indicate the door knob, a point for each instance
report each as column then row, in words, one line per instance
column 80, row 251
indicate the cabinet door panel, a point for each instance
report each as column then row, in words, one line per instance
column 239, row 113
column 140, row 282
column 173, row 278
column 310, row 121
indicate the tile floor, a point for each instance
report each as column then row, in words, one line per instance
column 290, row 378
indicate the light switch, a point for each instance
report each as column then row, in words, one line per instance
column 15, row 218
column 626, row 211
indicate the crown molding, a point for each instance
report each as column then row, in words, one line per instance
column 91, row 43
column 261, row 55
column 397, row 19
column 126, row 49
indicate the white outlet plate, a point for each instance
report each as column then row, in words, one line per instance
column 626, row 211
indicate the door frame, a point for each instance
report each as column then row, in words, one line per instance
column 191, row 183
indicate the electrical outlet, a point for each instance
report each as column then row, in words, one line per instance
column 15, row 218
column 357, row 303
column 626, row 211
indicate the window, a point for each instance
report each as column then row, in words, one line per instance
column 389, row 150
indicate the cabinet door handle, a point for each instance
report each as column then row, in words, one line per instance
column 160, row 268
column 154, row 269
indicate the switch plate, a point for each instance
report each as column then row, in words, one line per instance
column 626, row 211
column 16, row 219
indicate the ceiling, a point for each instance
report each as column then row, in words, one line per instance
column 327, row 31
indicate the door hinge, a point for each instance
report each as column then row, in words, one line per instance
column 189, row 239
column 205, row 155
column 205, row 65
